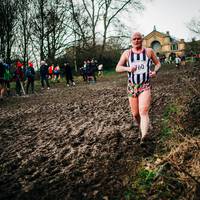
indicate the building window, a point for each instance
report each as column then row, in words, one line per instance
column 156, row 46
column 174, row 47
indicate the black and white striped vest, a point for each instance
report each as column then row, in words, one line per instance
column 142, row 63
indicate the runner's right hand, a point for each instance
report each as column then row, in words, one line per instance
column 132, row 68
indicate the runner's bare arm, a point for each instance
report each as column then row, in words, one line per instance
column 122, row 62
column 155, row 61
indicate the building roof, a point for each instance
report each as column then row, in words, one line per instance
column 161, row 34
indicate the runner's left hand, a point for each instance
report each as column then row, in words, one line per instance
column 152, row 74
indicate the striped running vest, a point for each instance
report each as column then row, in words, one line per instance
column 142, row 62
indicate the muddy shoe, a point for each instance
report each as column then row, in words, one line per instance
column 144, row 140
column 138, row 139
column 135, row 137
column 143, row 143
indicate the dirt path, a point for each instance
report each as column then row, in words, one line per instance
column 75, row 143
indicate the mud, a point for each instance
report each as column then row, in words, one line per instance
column 77, row 142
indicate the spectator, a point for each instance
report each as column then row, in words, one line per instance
column 100, row 70
column 7, row 78
column 19, row 77
column 89, row 72
column 30, row 77
column 62, row 72
column 183, row 60
column 50, row 70
column 94, row 68
column 44, row 74
column 83, row 71
column 56, row 72
column 177, row 61
column 2, row 82
column 68, row 74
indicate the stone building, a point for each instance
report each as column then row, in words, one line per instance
column 163, row 43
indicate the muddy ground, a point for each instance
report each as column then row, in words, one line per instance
column 77, row 143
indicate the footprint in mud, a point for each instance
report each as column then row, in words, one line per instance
column 75, row 142
column 148, row 147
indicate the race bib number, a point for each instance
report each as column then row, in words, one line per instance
column 141, row 67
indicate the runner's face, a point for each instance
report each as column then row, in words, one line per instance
column 137, row 40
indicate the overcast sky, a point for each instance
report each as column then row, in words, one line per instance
column 168, row 15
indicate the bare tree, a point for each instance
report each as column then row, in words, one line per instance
column 47, row 27
column 80, row 27
column 23, row 30
column 52, row 28
column 39, row 16
column 194, row 25
column 93, row 10
column 80, row 24
column 8, row 13
column 99, row 15
column 112, row 9
column 57, row 34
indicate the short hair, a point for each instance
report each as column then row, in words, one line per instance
column 136, row 33
column 43, row 62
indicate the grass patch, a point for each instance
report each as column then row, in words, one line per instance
column 128, row 194
column 109, row 72
column 170, row 112
column 145, row 179
column 140, row 185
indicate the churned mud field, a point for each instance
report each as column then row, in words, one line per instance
column 77, row 142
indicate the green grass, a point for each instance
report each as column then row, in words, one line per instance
column 170, row 111
column 145, row 178
column 140, row 185
column 37, row 85
column 109, row 72
column 128, row 194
